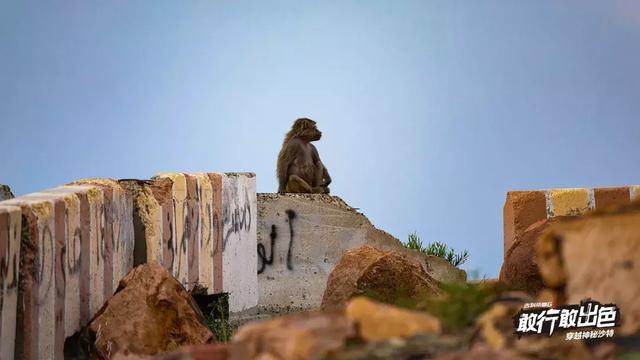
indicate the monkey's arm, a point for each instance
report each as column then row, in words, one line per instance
column 326, row 176
column 288, row 167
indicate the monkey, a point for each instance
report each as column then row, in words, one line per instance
column 299, row 168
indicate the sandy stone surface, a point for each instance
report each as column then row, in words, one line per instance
column 596, row 256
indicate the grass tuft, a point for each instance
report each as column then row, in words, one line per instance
column 438, row 249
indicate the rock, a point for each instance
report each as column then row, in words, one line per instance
column 495, row 330
column 5, row 192
column 380, row 322
column 520, row 270
column 387, row 276
column 442, row 270
column 292, row 337
column 483, row 353
column 189, row 352
column 424, row 346
column 149, row 313
column 596, row 256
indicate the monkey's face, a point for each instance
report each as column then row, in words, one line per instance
column 311, row 134
column 307, row 129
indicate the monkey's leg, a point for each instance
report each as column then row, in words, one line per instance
column 297, row 185
column 320, row 190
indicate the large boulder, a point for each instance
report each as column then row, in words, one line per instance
column 388, row 276
column 151, row 312
column 596, row 256
column 519, row 269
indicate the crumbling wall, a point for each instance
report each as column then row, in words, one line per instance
column 201, row 227
column 524, row 208
column 69, row 246
column 63, row 251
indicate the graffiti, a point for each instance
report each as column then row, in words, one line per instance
column 101, row 234
column 291, row 215
column 9, row 261
column 262, row 252
column 186, row 233
column 209, row 237
column 72, row 251
column 238, row 219
column 43, row 266
column 273, row 235
column 216, row 231
column 169, row 241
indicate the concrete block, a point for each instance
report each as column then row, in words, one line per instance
column 10, row 229
column 201, row 227
column 239, row 231
column 301, row 237
column 67, row 263
column 524, row 208
column 117, row 232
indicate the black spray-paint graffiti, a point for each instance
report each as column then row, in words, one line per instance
column 262, row 252
column 273, row 235
column 238, row 220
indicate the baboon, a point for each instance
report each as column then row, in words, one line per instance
column 299, row 168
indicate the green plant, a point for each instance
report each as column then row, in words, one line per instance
column 217, row 319
column 438, row 249
column 460, row 305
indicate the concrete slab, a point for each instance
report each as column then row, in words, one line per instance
column 10, row 230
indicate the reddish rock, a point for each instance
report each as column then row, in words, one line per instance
column 150, row 313
column 521, row 210
column 386, row 276
column 294, row 337
column 520, row 270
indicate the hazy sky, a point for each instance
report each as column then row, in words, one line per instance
column 431, row 110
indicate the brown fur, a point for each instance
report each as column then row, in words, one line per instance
column 299, row 168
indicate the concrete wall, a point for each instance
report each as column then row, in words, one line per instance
column 76, row 244
column 63, row 251
column 523, row 208
column 301, row 237
column 239, row 231
column 10, row 229
column 201, row 227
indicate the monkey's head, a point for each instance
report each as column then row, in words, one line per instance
column 306, row 129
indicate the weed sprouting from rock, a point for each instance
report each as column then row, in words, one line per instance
column 438, row 249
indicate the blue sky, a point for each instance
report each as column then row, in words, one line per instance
column 431, row 110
